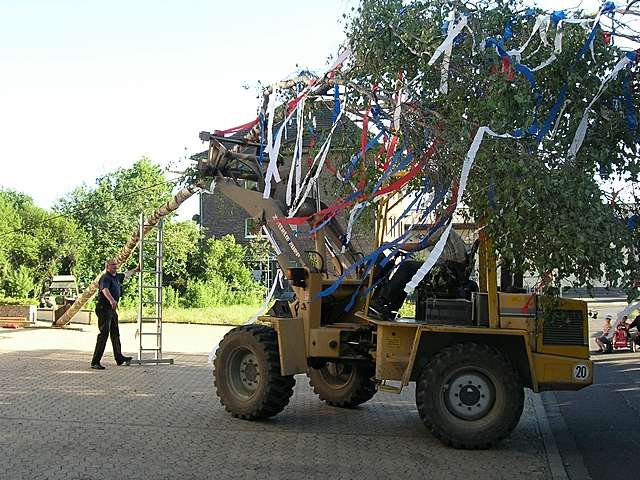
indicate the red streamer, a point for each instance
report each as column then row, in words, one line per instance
column 239, row 128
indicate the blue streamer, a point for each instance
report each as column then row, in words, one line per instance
column 508, row 31
column 632, row 119
column 459, row 40
column 558, row 15
column 437, row 198
column 355, row 159
column 445, row 28
column 632, row 222
column 553, row 113
column 425, row 189
column 525, row 71
column 336, row 102
column 372, row 258
column 590, row 39
column 492, row 42
column 263, row 128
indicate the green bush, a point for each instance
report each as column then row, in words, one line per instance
column 19, row 283
column 170, row 297
column 17, row 301
column 212, row 293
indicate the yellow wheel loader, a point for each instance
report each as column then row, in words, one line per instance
column 470, row 357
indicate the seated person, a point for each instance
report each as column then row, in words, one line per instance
column 603, row 341
column 623, row 323
column 452, row 264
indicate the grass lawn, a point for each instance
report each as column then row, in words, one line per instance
column 224, row 315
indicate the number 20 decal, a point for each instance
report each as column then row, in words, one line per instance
column 580, row 372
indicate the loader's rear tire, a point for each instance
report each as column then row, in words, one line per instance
column 247, row 376
column 343, row 384
column 469, row 396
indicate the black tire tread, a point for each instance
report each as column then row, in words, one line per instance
column 510, row 379
column 279, row 387
column 362, row 392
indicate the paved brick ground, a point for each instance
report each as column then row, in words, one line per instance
column 61, row 420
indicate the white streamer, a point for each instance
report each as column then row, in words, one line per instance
column 296, row 161
column 540, row 26
column 353, row 217
column 274, row 150
column 320, row 157
column 557, row 42
column 398, row 110
column 254, row 319
column 271, row 109
column 434, row 255
column 581, row 131
column 452, row 33
column 446, row 59
column 272, row 169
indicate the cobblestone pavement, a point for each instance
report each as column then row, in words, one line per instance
column 61, row 420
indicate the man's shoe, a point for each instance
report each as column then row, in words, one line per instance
column 97, row 366
column 125, row 361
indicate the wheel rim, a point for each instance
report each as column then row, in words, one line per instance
column 243, row 372
column 337, row 375
column 469, row 394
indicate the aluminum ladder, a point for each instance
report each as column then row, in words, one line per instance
column 149, row 331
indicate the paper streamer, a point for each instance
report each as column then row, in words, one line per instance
column 274, row 150
column 464, row 177
column 446, row 59
column 320, row 157
column 271, row 109
column 296, row 161
column 540, row 26
column 452, row 33
column 353, row 218
column 254, row 319
column 581, row 131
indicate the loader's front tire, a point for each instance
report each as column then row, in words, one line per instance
column 469, row 396
column 247, row 376
column 343, row 384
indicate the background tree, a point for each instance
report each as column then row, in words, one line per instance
column 541, row 205
column 108, row 212
column 34, row 244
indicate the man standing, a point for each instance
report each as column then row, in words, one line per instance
column 109, row 291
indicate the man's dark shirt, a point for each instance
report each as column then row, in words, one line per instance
column 635, row 323
column 114, row 284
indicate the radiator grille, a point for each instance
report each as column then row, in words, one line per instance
column 563, row 327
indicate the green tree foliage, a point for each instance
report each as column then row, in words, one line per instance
column 34, row 244
column 221, row 275
column 91, row 224
column 181, row 245
column 19, row 282
column 550, row 211
column 109, row 211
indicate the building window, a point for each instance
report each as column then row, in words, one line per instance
column 250, row 185
column 252, row 228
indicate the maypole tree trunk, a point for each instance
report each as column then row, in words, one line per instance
column 128, row 248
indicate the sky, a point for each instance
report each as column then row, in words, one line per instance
column 88, row 86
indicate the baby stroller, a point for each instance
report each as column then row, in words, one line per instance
column 622, row 339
